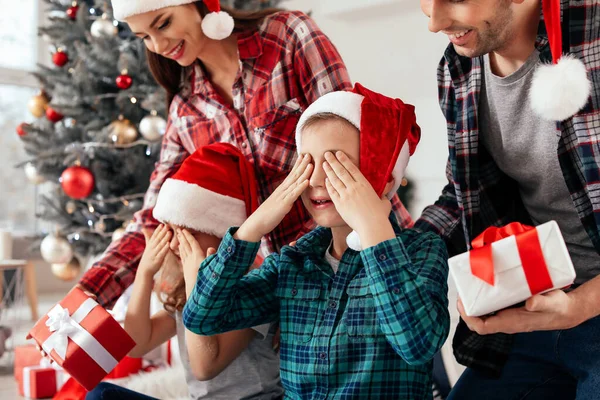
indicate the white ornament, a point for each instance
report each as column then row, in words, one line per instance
column 56, row 250
column 32, row 174
column 152, row 127
column 118, row 234
column 103, row 28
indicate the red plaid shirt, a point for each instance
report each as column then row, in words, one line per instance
column 285, row 65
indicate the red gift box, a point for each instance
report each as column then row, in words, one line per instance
column 25, row 356
column 82, row 338
column 41, row 381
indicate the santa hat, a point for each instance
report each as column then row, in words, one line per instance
column 216, row 25
column 559, row 90
column 213, row 190
column 389, row 135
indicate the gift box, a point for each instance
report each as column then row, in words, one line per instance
column 25, row 356
column 82, row 338
column 41, row 381
column 508, row 265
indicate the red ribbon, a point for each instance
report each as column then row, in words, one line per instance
column 530, row 252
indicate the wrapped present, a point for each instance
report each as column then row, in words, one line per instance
column 508, row 265
column 25, row 356
column 41, row 381
column 71, row 390
column 127, row 366
column 82, row 338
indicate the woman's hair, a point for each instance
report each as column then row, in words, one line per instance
column 168, row 72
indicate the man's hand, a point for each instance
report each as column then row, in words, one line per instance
column 554, row 310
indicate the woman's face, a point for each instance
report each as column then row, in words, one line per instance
column 172, row 32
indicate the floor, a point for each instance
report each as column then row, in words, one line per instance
column 18, row 318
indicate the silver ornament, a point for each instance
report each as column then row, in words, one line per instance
column 31, row 172
column 152, row 127
column 118, row 234
column 56, row 250
column 103, row 28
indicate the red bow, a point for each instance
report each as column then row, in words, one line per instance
column 530, row 251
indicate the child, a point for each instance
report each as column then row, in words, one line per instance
column 354, row 324
column 212, row 190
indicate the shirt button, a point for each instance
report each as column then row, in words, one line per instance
column 323, row 355
column 396, row 290
column 332, row 304
column 214, row 276
column 294, row 291
column 229, row 249
column 244, row 145
column 382, row 257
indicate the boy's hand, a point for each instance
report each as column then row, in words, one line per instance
column 157, row 247
column 191, row 253
column 355, row 199
column 278, row 205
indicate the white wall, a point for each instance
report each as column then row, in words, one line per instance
column 388, row 48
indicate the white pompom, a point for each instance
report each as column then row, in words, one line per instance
column 560, row 90
column 353, row 241
column 217, row 25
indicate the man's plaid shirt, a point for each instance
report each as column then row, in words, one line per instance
column 369, row 331
column 285, row 65
column 479, row 195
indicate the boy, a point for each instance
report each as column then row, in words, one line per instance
column 354, row 323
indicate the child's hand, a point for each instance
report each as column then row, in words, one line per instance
column 157, row 247
column 191, row 253
column 272, row 211
column 354, row 197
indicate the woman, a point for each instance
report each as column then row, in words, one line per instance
column 247, row 89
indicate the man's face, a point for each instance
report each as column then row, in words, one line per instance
column 475, row 27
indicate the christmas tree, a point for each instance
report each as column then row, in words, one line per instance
column 99, row 121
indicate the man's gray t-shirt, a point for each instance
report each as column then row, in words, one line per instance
column 524, row 147
column 253, row 375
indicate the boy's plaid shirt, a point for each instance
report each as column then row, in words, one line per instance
column 285, row 65
column 479, row 195
column 370, row 331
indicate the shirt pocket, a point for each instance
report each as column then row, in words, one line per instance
column 274, row 135
column 299, row 309
column 361, row 317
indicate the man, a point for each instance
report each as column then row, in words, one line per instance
column 508, row 162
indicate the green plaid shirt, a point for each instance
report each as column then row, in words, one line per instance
column 369, row 331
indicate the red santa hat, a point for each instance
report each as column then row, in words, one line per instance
column 389, row 135
column 561, row 89
column 216, row 25
column 213, row 190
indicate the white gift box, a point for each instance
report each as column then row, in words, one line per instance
column 510, row 286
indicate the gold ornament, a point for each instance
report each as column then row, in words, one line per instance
column 37, row 105
column 122, row 131
column 152, row 127
column 70, row 207
column 103, row 28
column 67, row 271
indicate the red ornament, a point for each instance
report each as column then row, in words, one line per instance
column 72, row 12
column 21, row 130
column 77, row 182
column 124, row 81
column 53, row 115
column 60, row 58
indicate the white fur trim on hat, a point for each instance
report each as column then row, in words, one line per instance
column 560, row 90
column 123, row 9
column 194, row 207
column 218, row 25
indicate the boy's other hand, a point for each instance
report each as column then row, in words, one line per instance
column 157, row 247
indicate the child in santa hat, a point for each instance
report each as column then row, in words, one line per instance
column 359, row 322
column 212, row 190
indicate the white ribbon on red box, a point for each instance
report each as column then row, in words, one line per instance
column 65, row 327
